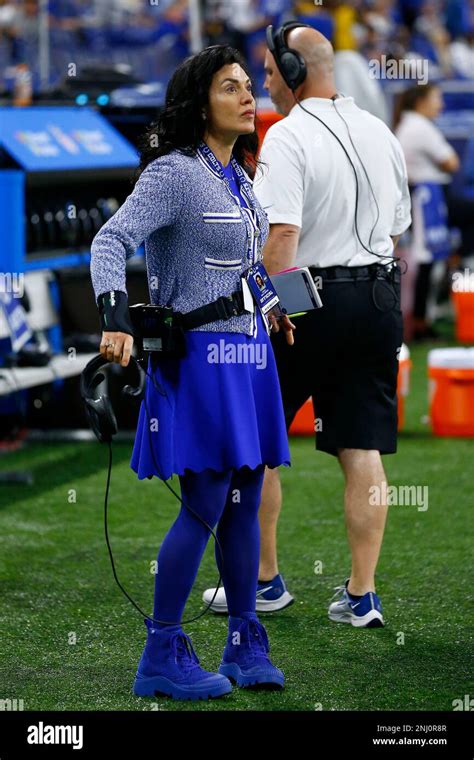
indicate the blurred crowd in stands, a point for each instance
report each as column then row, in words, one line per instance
column 153, row 35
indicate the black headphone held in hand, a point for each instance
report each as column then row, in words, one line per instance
column 103, row 422
column 97, row 402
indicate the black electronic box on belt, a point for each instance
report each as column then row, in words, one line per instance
column 155, row 329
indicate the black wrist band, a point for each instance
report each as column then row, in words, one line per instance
column 113, row 311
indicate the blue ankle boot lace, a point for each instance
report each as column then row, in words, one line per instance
column 255, row 637
column 184, row 655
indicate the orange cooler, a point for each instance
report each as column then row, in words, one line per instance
column 303, row 424
column 451, row 391
column 403, row 385
column 464, row 309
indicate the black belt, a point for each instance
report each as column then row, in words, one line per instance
column 224, row 307
column 351, row 274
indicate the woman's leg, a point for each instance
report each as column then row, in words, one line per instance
column 245, row 659
column 184, row 544
column 239, row 536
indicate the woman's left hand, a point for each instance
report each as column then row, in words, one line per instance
column 285, row 324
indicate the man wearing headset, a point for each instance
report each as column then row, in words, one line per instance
column 334, row 186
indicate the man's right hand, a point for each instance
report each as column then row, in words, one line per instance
column 116, row 347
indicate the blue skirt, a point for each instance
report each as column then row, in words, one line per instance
column 219, row 407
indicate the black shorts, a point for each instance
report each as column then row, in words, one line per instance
column 345, row 356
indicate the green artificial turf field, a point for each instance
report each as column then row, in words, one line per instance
column 71, row 641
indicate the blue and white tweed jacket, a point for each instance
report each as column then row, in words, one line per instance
column 196, row 238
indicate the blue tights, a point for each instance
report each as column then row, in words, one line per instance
column 229, row 499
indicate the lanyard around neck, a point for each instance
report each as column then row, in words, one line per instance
column 249, row 215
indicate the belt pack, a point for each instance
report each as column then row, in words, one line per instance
column 161, row 329
column 376, row 273
column 351, row 274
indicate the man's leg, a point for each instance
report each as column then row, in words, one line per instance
column 269, row 512
column 365, row 522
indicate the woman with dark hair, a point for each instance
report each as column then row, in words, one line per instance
column 430, row 161
column 215, row 424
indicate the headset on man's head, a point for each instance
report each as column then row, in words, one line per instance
column 290, row 62
column 292, row 67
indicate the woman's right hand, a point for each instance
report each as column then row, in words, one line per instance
column 116, row 347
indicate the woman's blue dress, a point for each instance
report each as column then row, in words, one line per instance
column 219, row 407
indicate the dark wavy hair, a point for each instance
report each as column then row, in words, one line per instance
column 180, row 125
column 409, row 99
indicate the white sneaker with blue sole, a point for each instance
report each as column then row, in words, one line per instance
column 271, row 597
column 365, row 612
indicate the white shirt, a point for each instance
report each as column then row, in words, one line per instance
column 351, row 74
column 425, row 147
column 309, row 182
column 462, row 58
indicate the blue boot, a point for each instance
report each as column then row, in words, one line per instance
column 245, row 659
column 169, row 665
